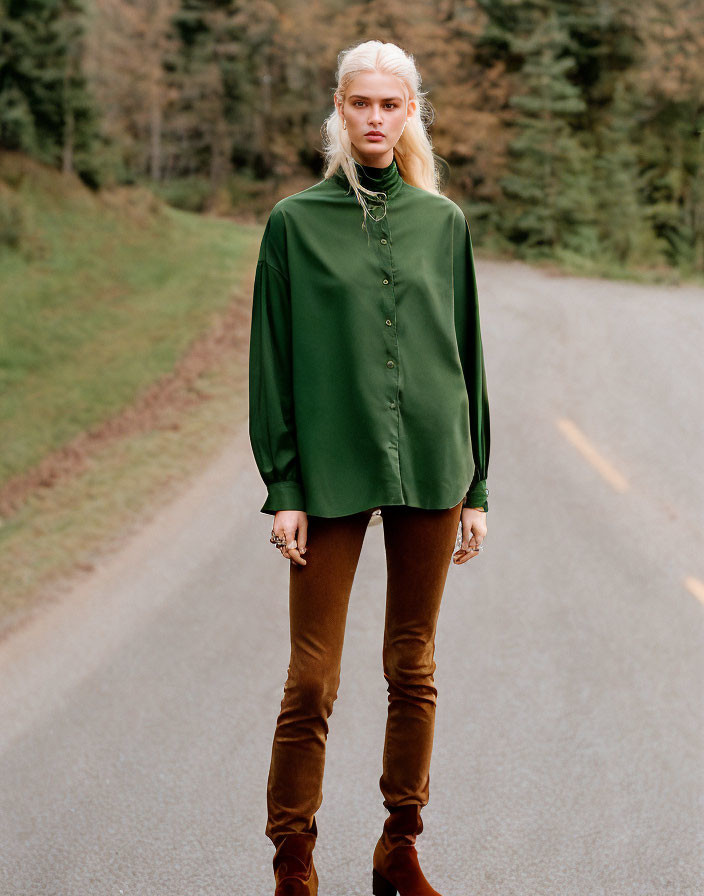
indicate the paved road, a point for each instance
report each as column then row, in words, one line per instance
column 137, row 713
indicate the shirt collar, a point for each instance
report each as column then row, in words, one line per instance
column 387, row 179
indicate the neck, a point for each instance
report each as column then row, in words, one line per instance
column 387, row 179
column 373, row 161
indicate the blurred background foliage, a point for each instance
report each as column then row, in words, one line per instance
column 569, row 130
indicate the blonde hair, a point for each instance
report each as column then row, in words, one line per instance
column 413, row 151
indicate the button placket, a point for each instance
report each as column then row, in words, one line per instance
column 389, row 305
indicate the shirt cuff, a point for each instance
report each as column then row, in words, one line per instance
column 477, row 495
column 286, row 495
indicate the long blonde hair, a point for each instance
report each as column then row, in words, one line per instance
column 413, row 152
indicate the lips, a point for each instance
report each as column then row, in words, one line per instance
column 373, row 134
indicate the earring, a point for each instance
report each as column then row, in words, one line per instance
column 344, row 124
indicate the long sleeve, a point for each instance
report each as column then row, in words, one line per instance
column 469, row 341
column 272, row 428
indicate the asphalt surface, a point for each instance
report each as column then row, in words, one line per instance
column 137, row 712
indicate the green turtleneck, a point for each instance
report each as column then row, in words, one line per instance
column 367, row 384
column 387, row 179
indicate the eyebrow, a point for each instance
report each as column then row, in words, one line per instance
column 357, row 96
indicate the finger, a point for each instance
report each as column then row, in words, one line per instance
column 464, row 556
column 479, row 530
column 461, row 556
column 466, row 533
column 477, row 540
column 303, row 537
column 464, row 543
column 292, row 547
column 467, row 550
column 295, row 556
column 468, row 556
column 289, row 534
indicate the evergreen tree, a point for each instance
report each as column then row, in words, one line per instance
column 196, row 108
column 549, row 185
column 221, row 77
column 45, row 106
column 623, row 225
column 672, row 182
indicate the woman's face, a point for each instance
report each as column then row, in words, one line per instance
column 375, row 102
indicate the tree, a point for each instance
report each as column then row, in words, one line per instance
column 46, row 109
column 623, row 221
column 548, row 186
column 127, row 45
column 220, row 84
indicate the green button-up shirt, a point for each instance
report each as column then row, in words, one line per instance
column 367, row 384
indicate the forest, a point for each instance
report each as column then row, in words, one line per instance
column 571, row 131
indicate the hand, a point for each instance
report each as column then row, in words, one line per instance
column 473, row 534
column 293, row 525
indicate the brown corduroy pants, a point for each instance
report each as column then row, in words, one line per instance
column 419, row 545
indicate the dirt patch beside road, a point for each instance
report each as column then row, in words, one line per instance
column 158, row 407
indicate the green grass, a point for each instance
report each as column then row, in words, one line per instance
column 105, row 302
column 62, row 533
column 100, row 298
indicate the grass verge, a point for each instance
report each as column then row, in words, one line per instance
column 123, row 347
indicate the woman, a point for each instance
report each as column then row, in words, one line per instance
column 367, row 393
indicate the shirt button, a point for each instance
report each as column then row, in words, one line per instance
column 384, row 281
column 392, row 405
column 389, row 363
column 388, row 323
column 383, row 242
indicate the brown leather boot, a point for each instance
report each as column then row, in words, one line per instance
column 294, row 870
column 395, row 863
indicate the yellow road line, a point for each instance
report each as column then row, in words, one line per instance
column 695, row 586
column 575, row 435
column 588, row 451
